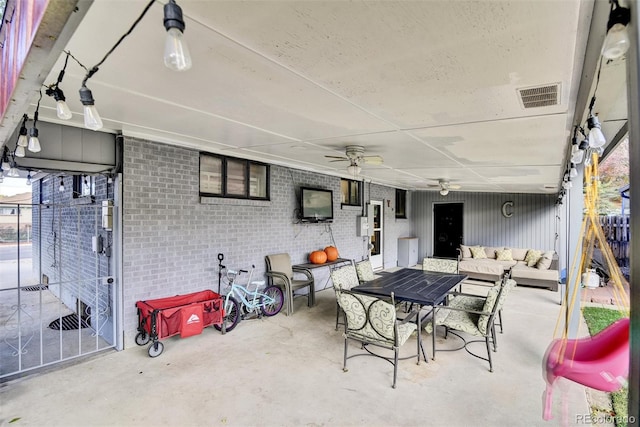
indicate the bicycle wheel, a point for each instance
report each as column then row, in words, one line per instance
column 275, row 306
column 231, row 316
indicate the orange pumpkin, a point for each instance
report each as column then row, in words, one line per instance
column 332, row 253
column 318, row 257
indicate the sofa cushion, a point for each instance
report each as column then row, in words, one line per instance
column 545, row 261
column 477, row 252
column 504, row 255
column 466, row 252
column 506, row 264
column 481, row 266
column 533, row 255
column 522, row 271
column 518, row 254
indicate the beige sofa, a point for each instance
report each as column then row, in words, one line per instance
column 526, row 266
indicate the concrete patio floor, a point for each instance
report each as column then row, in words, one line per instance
column 287, row 371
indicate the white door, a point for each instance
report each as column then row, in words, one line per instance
column 377, row 247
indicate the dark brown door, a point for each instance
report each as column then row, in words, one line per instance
column 447, row 229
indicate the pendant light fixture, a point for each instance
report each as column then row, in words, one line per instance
column 34, row 143
column 29, row 178
column 573, row 172
column 13, row 171
column 22, row 138
column 62, row 109
column 616, row 43
column 596, row 137
column 61, row 187
column 5, row 165
column 176, row 52
column 354, row 169
column 92, row 119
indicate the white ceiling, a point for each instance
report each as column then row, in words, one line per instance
column 431, row 86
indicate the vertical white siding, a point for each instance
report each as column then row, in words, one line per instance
column 533, row 224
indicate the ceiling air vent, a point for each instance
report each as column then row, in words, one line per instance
column 540, row 96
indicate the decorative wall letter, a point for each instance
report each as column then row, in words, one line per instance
column 506, row 209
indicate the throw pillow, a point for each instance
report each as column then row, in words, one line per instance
column 504, row 255
column 466, row 253
column 490, row 251
column 477, row 252
column 545, row 261
column 533, row 256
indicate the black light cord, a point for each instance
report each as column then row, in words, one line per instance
column 94, row 69
column 35, row 115
column 75, row 59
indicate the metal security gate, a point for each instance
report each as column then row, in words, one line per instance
column 57, row 283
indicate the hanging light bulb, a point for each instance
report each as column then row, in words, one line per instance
column 62, row 109
column 176, row 52
column 29, row 179
column 13, row 171
column 616, row 43
column 92, row 119
column 19, row 151
column 444, row 191
column 573, row 172
column 61, row 188
column 34, row 142
column 577, row 155
column 22, row 138
column 596, row 137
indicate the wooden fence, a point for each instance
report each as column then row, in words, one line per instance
column 617, row 231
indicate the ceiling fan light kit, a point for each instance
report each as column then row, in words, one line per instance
column 354, row 154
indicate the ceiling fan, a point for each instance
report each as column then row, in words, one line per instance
column 445, row 185
column 355, row 156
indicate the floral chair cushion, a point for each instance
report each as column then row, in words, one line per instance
column 365, row 271
column 472, row 323
column 372, row 320
column 344, row 277
column 440, row 265
column 489, row 303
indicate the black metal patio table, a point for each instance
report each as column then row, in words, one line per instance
column 423, row 288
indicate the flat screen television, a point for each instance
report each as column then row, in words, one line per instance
column 316, row 205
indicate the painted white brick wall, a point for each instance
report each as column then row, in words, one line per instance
column 172, row 238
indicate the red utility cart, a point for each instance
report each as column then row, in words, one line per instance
column 186, row 315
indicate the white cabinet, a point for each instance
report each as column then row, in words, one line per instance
column 407, row 251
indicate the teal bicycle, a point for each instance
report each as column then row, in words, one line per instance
column 240, row 302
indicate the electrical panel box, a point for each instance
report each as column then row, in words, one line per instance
column 107, row 214
column 363, row 228
column 96, row 244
